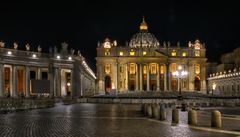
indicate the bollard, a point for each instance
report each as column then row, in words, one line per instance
column 149, row 110
column 192, row 117
column 155, row 110
column 163, row 112
column 175, row 116
column 216, row 120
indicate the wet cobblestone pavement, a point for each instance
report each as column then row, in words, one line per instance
column 93, row 120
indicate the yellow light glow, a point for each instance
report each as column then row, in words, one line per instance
column 121, row 53
column 132, row 53
column 144, row 53
column 174, row 53
column 184, row 54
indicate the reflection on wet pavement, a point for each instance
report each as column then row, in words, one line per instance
column 94, row 120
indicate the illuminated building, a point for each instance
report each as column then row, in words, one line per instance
column 226, row 78
column 55, row 74
column 144, row 64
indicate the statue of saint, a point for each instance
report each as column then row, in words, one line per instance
column 27, row 47
column 15, row 45
column 2, row 44
column 72, row 51
column 39, row 48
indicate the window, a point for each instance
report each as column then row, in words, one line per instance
column 107, row 53
column 197, row 69
column 144, row 53
column 174, row 53
column 107, row 69
column 132, row 68
column 44, row 75
column 197, row 53
column 121, row 53
column 162, row 69
column 144, row 69
column 132, row 53
column 173, row 67
column 184, row 54
column 153, row 68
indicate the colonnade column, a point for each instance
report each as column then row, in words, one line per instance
column 203, row 78
column 39, row 73
column 141, row 80
column 14, row 81
column 27, row 81
column 57, row 82
column 1, row 80
column 72, row 83
column 158, row 84
column 148, row 87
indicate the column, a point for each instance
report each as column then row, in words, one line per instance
column 14, row 81
column 168, row 76
column 148, row 88
column 137, row 79
column 27, row 81
column 72, row 83
column 39, row 73
column 117, row 75
column 203, row 78
column 126, row 77
column 165, row 77
column 57, row 80
column 158, row 84
column 141, row 80
column 1, row 80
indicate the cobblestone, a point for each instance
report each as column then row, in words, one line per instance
column 92, row 120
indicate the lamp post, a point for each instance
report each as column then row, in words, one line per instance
column 180, row 74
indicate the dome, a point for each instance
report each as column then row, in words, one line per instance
column 143, row 38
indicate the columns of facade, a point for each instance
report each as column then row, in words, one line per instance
column 140, row 77
column 1, row 80
column 169, row 77
column 57, row 82
column 72, row 83
column 118, row 77
column 203, row 78
column 191, row 75
column 148, row 84
column 165, row 77
column 27, row 81
column 137, row 79
column 39, row 73
column 158, row 73
column 14, row 81
column 127, row 76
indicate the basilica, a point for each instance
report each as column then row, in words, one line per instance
column 146, row 64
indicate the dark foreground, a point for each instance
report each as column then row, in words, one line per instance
column 93, row 120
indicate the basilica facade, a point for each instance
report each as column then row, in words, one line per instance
column 30, row 72
column 144, row 64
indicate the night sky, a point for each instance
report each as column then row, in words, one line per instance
column 82, row 23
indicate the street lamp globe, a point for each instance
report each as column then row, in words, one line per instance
column 180, row 74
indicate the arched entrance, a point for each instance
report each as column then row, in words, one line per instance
column 197, row 84
column 174, row 84
column 108, row 84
